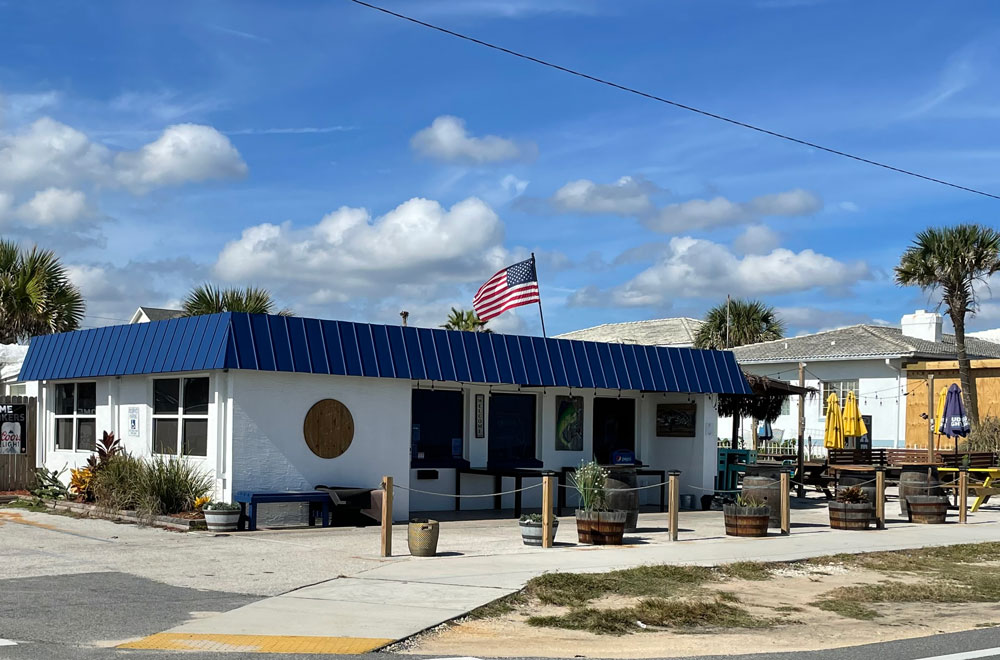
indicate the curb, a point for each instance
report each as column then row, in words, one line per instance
column 93, row 511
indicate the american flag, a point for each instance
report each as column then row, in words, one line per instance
column 511, row 287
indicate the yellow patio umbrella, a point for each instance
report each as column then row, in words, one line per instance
column 854, row 426
column 939, row 411
column 833, row 436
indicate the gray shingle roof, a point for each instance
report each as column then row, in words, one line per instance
column 656, row 332
column 858, row 342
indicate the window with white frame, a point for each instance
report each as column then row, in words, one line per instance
column 840, row 388
column 786, row 406
column 76, row 416
column 180, row 416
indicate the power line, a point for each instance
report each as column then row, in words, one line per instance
column 676, row 104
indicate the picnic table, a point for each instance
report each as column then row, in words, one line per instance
column 982, row 491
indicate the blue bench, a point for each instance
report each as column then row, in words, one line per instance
column 249, row 500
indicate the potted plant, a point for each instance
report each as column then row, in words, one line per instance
column 221, row 516
column 747, row 516
column 594, row 523
column 851, row 509
column 531, row 528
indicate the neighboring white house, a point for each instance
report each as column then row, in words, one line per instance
column 11, row 357
column 287, row 403
column 677, row 332
column 865, row 359
column 147, row 314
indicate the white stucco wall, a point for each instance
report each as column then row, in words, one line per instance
column 269, row 450
column 881, row 391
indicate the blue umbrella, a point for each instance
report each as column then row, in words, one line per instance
column 954, row 422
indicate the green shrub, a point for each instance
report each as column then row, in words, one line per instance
column 151, row 487
column 986, row 435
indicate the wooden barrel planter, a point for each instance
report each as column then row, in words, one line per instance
column 767, row 490
column 927, row 509
column 746, row 520
column 621, row 495
column 848, row 515
column 863, row 480
column 915, row 481
column 600, row 527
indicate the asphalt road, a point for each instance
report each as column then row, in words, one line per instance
column 82, row 616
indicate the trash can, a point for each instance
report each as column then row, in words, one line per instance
column 422, row 537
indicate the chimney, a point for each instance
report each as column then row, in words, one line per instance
column 922, row 325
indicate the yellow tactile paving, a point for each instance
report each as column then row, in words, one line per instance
column 257, row 643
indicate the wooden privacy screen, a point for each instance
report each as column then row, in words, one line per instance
column 17, row 470
column 329, row 428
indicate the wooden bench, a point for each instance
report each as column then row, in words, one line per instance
column 249, row 500
column 857, row 456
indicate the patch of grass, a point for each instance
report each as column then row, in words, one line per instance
column 728, row 597
column 575, row 589
column 988, row 624
column 916, row 561
column 747, row 570
column 655, row 613
column 846, row 608
column 932, row 591
column 28, row 505
column 499, row 607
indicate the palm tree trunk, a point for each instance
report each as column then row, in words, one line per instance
column 965, row 369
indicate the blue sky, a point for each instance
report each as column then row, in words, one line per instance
column 358, row 165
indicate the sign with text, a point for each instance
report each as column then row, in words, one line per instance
column 13, row 421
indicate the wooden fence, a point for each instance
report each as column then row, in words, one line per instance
column 17, row 470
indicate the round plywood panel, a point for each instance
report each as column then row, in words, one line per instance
column 329, row 428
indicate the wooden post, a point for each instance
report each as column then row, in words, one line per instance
column 386, row 516
column 963, row 493
column 786, row 502
column 673, row 515
column 548, row 490
column 801, row 488
column 930, row 415
column 880, row 497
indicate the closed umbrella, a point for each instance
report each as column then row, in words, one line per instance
column 954, row 421
column 833, row 435
column 939, row 410
column 854, row 426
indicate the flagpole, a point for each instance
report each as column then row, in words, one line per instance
column 541, row 316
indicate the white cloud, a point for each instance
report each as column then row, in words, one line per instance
column 850, row 207
column 15, row 108
column 49, row 153
column 418, row 247
column 719, row 211
column 183, row 153
column 513, row 185
column 697, row 268
column 628, row 196
column 53, row 206
column 447, row 139
column 757, row 239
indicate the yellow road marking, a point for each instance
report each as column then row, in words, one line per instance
column 257, row 643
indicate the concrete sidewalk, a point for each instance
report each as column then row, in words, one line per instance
column 399, row 598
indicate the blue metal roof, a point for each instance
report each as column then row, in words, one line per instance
column 289, row 343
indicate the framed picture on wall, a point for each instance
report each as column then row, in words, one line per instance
column 480, row 415
column 569, row 423
column 676, row 420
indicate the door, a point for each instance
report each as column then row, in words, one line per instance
column 512, row 431
column 614, row 427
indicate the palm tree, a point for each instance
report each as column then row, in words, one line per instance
column 954, row 259
column 36, row 295
column 460, row 319
column 210, row 299
column 738, row 322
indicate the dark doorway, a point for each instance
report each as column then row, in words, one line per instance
column 512, row 431
column 437, row 418
column 614, row 427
